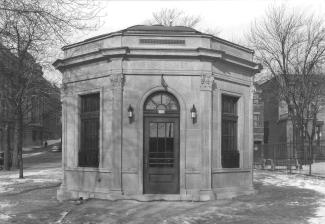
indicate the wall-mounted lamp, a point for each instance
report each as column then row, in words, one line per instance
column 130, row 113
column 193, row 114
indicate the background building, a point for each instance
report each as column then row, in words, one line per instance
column 258, row 122
column 43, row 121
column 42, row 110
column 278, row 127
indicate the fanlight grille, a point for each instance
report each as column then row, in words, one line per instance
column 161, row 102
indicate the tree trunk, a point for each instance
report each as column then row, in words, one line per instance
column 1, row 139
column 6, row 144
column 310, row 155
column 304, row 151
column 15, row 147
column 20, row 142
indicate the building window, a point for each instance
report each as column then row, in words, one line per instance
column 256, row 99
column 229, row 152
column 256, row 119
column 266, row 132
column 89, row 143
column 34, row 135
column 33, row 109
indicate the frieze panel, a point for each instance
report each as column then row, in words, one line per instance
column 117, row 80
column 207, row 82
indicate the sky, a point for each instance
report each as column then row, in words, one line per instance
column 232, row 18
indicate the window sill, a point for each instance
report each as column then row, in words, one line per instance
column 231, row 170
column 88, row 169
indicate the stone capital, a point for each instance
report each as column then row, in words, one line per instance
column 117, row 81
column 252, row 89
column 207, row 82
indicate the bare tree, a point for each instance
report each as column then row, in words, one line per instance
column 173, row 17
column 28, row 28
column 291, row 46
column 7, row 65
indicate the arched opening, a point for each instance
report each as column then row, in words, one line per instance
column 161, row 144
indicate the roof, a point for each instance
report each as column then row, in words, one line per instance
column 150, row 29
column 159, row 29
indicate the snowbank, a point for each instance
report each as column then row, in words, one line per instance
column 312, row 183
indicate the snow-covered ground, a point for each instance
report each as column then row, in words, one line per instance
column 32, row 154
column 317, row 169
column 32, row 147
column 9, row 180
column 280, row 198
column 33, row 179
column 301, row 181
column 53, row 141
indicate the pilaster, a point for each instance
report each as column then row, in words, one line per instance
column 250, row 144
column 63, row 136
column 117, row 83
column 205, row 116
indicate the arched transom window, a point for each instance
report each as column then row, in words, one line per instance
column 161, row 103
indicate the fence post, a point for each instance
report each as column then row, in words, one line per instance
column 290, row 157
column 273, row 160
column 262, row 156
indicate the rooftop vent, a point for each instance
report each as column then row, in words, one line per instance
column 162, row 41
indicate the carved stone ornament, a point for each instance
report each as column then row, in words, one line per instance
column 117, row 80
column 67, row 90
column 207, row 82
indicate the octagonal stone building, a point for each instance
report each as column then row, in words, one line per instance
column 154, row 112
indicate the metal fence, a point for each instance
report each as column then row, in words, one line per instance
column 293, row 157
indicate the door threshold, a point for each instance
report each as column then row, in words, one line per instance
column 159, row 197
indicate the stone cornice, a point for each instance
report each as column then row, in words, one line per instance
column 97, row 55
column 203, row 54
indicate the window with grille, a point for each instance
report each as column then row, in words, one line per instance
column 256, row 119
column 229, row 152
column 89, row 139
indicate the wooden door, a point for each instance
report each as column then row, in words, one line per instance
column 161, row 155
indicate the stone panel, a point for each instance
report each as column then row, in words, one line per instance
column 193, row 181
column 193, row 149
column 231, row 179
column 92, row 181
column 130, row 183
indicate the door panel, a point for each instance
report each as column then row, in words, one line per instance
column 161, row 155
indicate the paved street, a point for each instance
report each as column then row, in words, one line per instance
column 279, row 199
